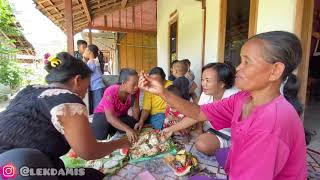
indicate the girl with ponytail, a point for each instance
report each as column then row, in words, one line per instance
column 267, row 133
column 94, row 58
column 101, row 61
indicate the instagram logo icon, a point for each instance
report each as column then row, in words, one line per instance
column 8, row 171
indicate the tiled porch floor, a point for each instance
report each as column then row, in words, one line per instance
column 208, row 165
column 312, row 122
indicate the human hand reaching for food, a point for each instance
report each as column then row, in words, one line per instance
column 132, row 135
column 166, row 133
column 138, row 126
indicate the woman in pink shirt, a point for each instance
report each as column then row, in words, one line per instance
column 267, row 134
column 112, row 112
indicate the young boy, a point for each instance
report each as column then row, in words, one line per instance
column 186, row 86
column 82, row 46
column 190, row 76
column 181, row 82
column 172, row 66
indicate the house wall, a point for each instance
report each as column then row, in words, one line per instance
column 271, row 15
column 212, row 31
column 190, row 32
column 276, row 15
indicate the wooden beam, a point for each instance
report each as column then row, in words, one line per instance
column 101, row 4
column 253, row 17
column 124, row 3
column 61, row 14
column 69, row 25
column 115, row 7
column 86, row 9
column 299, row 17
column 222, row 30
column 304, row 24
column 90, row 35
column 54, row 7
column 141, row 17
column 105, row 28
column 133, row 17
column 204, row 26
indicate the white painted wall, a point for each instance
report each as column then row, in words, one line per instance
column 276, row 15
column 164, row 8
column 272, row 15
column 190, row 32
column 212, row 31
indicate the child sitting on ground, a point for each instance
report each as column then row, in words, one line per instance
column 190, row 76
column 172, row 115
column 181, row 82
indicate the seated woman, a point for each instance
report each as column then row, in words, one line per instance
column 112, row 112
column 267, row 133
column 153, row 106
column 42, row 122
column 94, row 60
column 217, row 83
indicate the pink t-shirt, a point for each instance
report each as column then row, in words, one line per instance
column 269, row 144
column 111, row 101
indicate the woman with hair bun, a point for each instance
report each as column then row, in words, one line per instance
column 42, row 123
column 267, row 133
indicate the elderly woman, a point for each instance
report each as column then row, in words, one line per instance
column 267, row 133
column 42, row 122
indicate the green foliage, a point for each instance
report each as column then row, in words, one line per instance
column 8, row 28
column 7, row 19
column 11, row 73
column 32, row 75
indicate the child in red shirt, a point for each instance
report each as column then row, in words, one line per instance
column 172, row 115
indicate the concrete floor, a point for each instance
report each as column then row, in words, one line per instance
column 312, row 121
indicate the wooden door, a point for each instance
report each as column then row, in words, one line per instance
column 138, row 51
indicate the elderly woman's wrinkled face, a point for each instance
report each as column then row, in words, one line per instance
column 131, row 84
column 254, row 71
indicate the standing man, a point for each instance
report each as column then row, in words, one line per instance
column 81, row 45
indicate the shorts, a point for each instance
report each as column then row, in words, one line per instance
column 222, row 136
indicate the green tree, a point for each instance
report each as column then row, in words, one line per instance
column 10, row 70
column 11, row 73
column 7, row 19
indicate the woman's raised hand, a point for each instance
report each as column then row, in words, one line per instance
column 148, row 84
